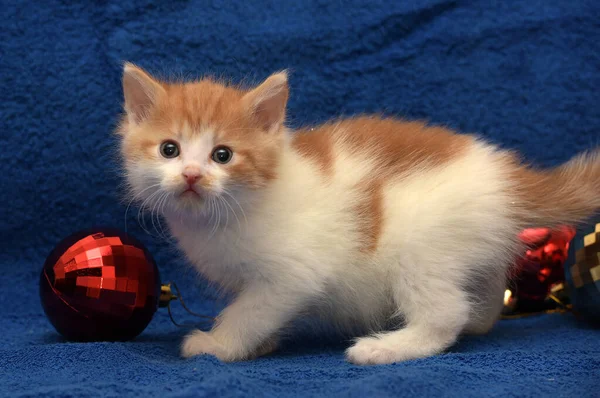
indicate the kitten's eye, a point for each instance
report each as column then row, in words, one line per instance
column 169, row 149
column 222, row 154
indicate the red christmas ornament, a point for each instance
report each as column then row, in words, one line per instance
column 100, row 284
column 542, row 266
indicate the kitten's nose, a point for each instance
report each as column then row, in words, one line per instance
column 191, row 174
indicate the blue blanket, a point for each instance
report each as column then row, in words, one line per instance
column 522, row 74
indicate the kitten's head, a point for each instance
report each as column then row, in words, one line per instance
column 186, row 144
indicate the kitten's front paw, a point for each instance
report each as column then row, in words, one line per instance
column 199, row 343
column 371, row 351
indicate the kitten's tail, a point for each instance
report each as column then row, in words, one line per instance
column 567, row 194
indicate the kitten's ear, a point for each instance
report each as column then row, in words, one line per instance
column 140, row 91
column 268, row 101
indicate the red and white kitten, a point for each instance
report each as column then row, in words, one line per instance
column 360, row 221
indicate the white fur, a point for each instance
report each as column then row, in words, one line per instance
column 294, row 247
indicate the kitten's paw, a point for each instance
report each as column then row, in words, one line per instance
column 372, row 351
column 203, row 343
column 199, row 343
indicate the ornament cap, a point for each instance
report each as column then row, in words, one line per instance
column 166, row 295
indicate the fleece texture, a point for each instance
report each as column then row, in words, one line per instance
column 522, row 74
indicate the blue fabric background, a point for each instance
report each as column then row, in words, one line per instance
column 522, row 74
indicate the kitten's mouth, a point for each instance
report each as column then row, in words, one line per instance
column 190, row 191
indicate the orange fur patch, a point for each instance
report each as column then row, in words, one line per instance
column 397, row 146
column 316, row 145
column 369, row 212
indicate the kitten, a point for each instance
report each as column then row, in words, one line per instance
column 362, row 220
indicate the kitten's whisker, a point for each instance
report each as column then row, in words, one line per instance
column 140, row 212
column 152, row 212
column 159, row 203
column 211, row 210
column 238, row 204
column 237, row 219
column 217, row 218
column 226, row 212
column 212, row 215
column 143, row 207
column 162, row 212
column 159, row 215
column 134, row 197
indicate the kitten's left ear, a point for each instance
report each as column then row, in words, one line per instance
column 268, row 101
column 141, row 92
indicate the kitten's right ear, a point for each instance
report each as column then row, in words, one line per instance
column 268, row 101
column 140, row 91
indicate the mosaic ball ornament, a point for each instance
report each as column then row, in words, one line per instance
column 100, row 285
column 583, row 274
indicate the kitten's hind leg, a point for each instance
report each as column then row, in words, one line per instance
column 487, row 302
column 435, row 309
